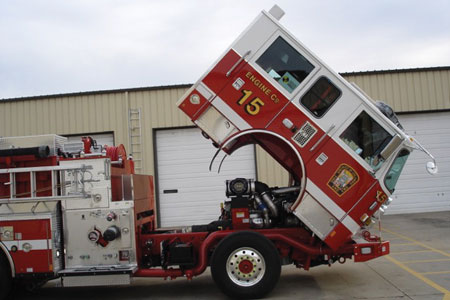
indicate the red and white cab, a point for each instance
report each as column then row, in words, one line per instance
column 343, row 152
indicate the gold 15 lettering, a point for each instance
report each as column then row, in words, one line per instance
column 254, row 106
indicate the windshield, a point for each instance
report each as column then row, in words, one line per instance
column 396, row 169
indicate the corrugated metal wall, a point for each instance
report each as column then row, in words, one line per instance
column 406, row 91
column 96, row 112
column 65, row 115
column 158, row 111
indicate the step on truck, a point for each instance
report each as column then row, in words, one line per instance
column 78, row 213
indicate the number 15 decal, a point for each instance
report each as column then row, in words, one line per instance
column 254, row 106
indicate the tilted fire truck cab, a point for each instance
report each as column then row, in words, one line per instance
column 342, row 151
column 79, row 213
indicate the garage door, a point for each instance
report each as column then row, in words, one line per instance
column 416, row 190
column 188, row 192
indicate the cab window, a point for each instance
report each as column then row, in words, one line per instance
column 367, row 138
column 320, row 96
column 284, row 64
column 395, row 170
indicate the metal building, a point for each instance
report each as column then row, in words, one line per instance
column 164, row 143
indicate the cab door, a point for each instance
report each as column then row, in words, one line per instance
column 346, row 164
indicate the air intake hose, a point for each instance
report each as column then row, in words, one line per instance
column 264, row 190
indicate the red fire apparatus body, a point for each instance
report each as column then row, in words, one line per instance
column 79, row 213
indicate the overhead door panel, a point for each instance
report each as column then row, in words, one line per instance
column 416, row 190
column 188, row 192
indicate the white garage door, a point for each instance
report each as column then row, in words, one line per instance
column 416, row 190
column 188, row 192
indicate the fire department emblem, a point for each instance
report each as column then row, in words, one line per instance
column 343, row 179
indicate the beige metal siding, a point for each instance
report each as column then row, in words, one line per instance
column 158, row 111
column 97, row 112
column 269, row 170
column 63, row 115
column 407, row 91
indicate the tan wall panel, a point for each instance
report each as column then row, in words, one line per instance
column 269, row 170
column 407, row 91
column 63, row 115
column 108, row 112
column 158, row 110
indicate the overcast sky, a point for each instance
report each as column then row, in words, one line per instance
column 50, row 47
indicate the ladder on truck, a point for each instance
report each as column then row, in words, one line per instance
column 135, row 138
column 70, row 184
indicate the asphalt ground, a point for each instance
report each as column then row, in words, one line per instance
column 418, row 268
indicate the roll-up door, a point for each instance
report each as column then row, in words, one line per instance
column 416, row 190
column 188, row 192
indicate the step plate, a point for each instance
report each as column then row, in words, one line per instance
column 101, row 270
column 96, row 280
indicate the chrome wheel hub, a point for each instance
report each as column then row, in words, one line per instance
column 246, row 266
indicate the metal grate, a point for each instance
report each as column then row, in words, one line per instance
column 306, row 132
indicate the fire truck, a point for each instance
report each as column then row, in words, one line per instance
column 77, row 212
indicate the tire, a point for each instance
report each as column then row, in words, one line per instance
column 5, row 278
column 246, row 265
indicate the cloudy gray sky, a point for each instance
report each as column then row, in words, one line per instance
column 53, row 46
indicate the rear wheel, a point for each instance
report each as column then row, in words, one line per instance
column 5, row 278
column 246, row 265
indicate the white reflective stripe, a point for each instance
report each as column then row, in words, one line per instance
column 204, row 91
column 323, row 199
column 9, row 244
column 230, row 114
column 351, row 224
column 35, row 244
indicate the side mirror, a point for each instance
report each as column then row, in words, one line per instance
column 391, row 147
column 432, row 168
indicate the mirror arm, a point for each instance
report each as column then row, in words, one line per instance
column 422, row 148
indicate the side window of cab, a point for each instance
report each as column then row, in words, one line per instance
column 367, row 138
column 285, row 64
column 320, row 97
